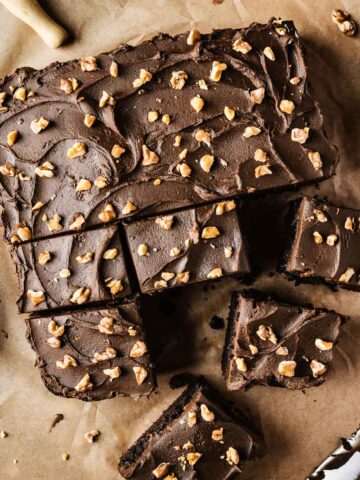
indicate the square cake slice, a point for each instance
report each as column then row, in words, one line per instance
column 173, row 122
column 326, row 244
column 277, row 344
column 93, row 354
column 187, row 246
column 198, row 436
column 71, row 270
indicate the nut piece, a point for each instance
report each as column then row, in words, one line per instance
column 106, row 325
column 206, row 414
column 229, row 113
column 23, row 232
column 263, row 170
column 206, row 162
column 45, row 170
column 318, row 239
column 193, row 37
column 349, row 224
column 315, row 159
column 216, row 70
column 110, row 254
column 55, row 329
column 165, row 222
column 226, row 206
column 197, row 103
column 320, row 216
column 167, row 276
column 91, row 436
column 114, row 285
column 318, row 369
column 215, row 273
column 192, row 420
column 106, row 99
column 251, row 131
column 193, row 457
column 287, row 106
column 140, row 374
column 161, row 470
column 228, row 251
column 65, row 273
column 184, row 169
column 84, row 384
column 68, row 85
column 174, row 252
column 260, row 155
column 287, row 368
column 112, row 373
column 67, row 361
column 257, row 95
column 138, row 350
column 88, row 64
column 241, row 364
column 144, row 77
column 295, row 80
column 39, row 124
column 210, row 232
column 20, row 94
column 268, row 52
column 79, row 149
column 152, row 116
column 182, row 154
column 83, row 185
column 183, row 277
column 160, row 284
column 178, row 79
column 54, row 224
column 143, row 250
column 78, row 222
column 300, row 135
column 265, row 333
column 253, row 349
column 82, row 259
column 344, row 22
column 54, row 342
column 202, row 136
column 81, row 295
column 322, row 345
column 108, row 214
column 241, row 46
column 117, row 151
column 36, row 297
column 232, row 456
column 44, row 257
column 8, row 170
column 129, row 208
column 89, row 120
column 149, row 157
column 217, row 435
column 346, row 276
column 101, row 182
column 331, row 239
column 114, row 69
column 282, row 351
column 12, row 137
column 177, row 141
column 166, row 119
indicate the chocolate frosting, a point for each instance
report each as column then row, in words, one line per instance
column 171, row 439
column 296, row 329
column 197, row 255
column 82, row 340
column 311, row 255
column 68, row 253
column 125, row 124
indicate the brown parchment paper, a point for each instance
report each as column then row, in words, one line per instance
column 300, row 427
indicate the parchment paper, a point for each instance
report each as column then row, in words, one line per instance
column 300, row 427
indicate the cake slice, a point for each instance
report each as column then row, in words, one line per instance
column 277, row 344
column 198, row 436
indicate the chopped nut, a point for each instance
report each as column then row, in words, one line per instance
column 210, row 232
column 65, row 273
column 23, row 232
column 88, row 64
column 193, row 457
column 331, row 239
column 251, row 131
column 82, row 259
column 65, row 456
column 202, row 136
column 67, row 361
column 253, row 349
column 79, row 149
column 183, row 277
column 152, row 116
column 101, row 182
column 320, row 216
column 54, row 342
column 44, row 257
column 114, row 69
column 193, row 37
column 7, row 170
column 282, row 351
column 265, row 333
column 192, row 420
column 184, row 169
column 38, row 206
column 268, row 52
column 54, row 224
column 110, row 254
column 217, row 435
column 157, row 181
column 295, row 80
column 117, row 151
column 3, row 434
column 174, row 252
column 241, row 364
column 20, row 94
column 318, row 369
column 112, row 373
column 262, row 170
column 45, row 170
column 349, row 224
column 24, row 178
column 178, row 79
column 106, row 325
column 84, row 384
column 197, row 103
column 106, row 99
column 143, row 250
column 206, row 414
column 232, row 456
column 206, row 162
column 215, row 273
column 228, row 251
column 149, row 157
column 216, row 70
column 167, row 276
column 115, row 286
column 241, row 46
column 140, row 374
column 177, row 141
column 257, row 95
column 315, row 159
column 183, row 154
column 318, row 238
column 108, row 214
column 81, row 295
column 39, row 124
column 287, row 106
column 161, row 470
column 68, row 85
column 160, row 284
column 229, row 113
column 344, row 22
column 36, row 297
column 281, row 31
column 144, row 77
column 287, row 368
column 322, row 345
column 89, row 120
column 300, row 135
column 187, row 446
column 12, row 137
column 78, row 222
column 226, row 206
column 166, row 119
column 202, row 84
column 91, row 436
column 132, row 332
column 129, row 208
column 138, row 350
column 83, row 185
column 260, row 155
column 165, row 222
column 346, row 276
